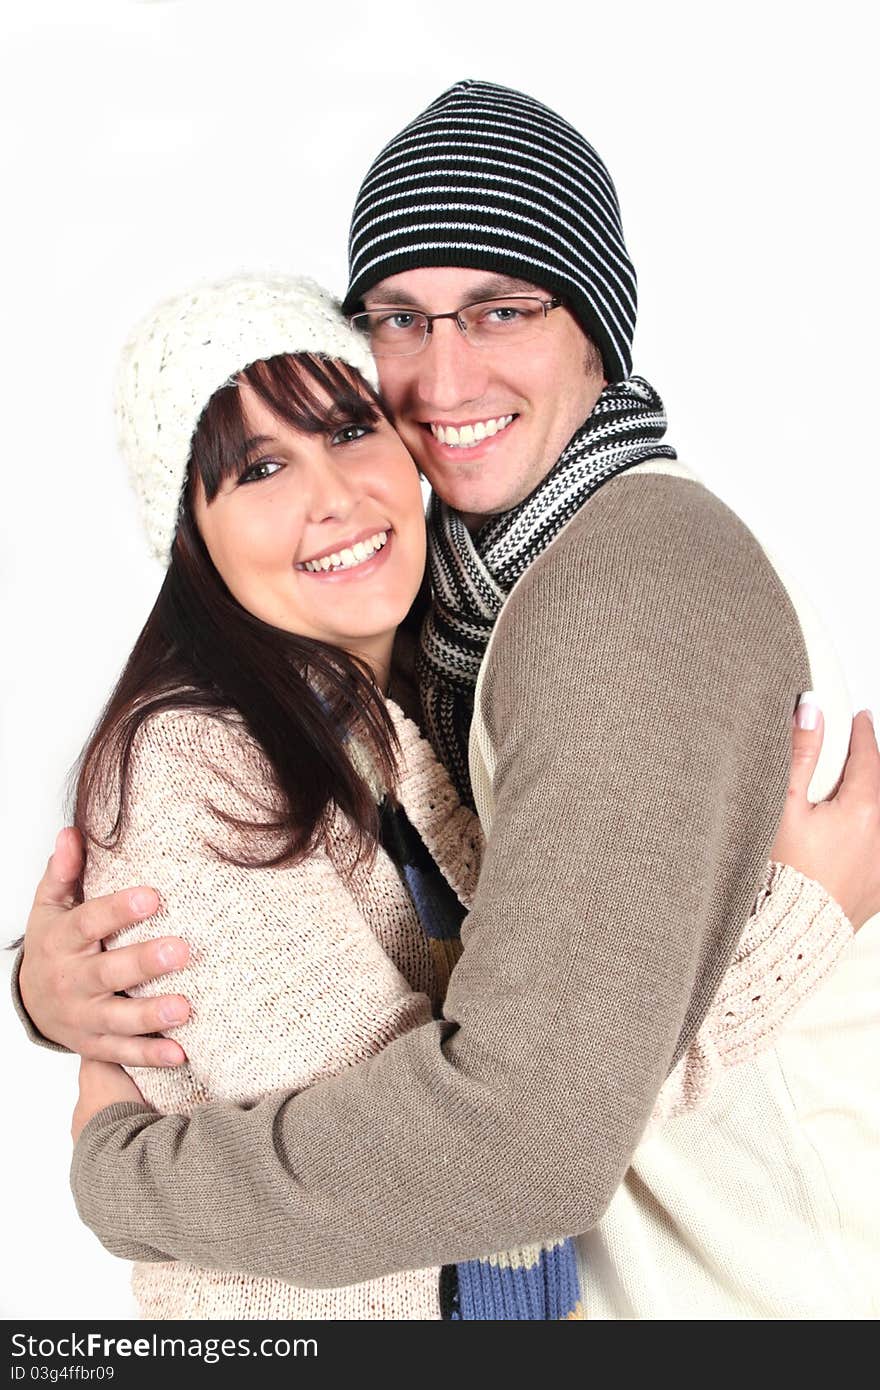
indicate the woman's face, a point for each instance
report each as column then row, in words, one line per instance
column 322, row 535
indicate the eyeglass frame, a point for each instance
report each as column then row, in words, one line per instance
column 547, row 305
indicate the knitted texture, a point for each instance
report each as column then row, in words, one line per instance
column 791, row 943
column 190, row 346
column 293, row 977
column 488, row 178
column 532, row 1284
column 472, row 575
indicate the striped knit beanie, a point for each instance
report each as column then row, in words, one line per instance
column 489, row 179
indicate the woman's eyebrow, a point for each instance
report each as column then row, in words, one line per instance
column 256, row 441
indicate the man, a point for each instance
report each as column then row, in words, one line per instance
column 609, row 668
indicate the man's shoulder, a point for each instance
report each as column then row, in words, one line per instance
column 653, row 528
column 641, row 508
column 651, row 562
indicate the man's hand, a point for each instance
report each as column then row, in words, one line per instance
column 100, row 1084
column 69, row 985
column 837, row 842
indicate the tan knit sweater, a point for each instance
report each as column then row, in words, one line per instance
column 295, row 975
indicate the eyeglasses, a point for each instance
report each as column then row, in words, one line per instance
column 490, row 323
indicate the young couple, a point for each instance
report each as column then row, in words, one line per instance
column 645, row 1087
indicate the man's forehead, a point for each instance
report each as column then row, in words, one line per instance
column 416, row 287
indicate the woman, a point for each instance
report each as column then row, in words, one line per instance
column 302, row 836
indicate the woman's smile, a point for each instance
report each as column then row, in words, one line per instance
column 320, row 531
column 351, row 559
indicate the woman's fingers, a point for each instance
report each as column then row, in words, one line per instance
column 808, row 730
column 861, row 775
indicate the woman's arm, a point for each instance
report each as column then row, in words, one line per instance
column 450, row 830
column 101, row 1084
column 797, row 930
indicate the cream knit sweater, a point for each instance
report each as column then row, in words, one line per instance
column 295, row 974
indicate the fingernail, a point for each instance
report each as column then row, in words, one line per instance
column 142, row 903
column 167, row 954
column 172, row 1013
column 806, row 716
column 870, row 715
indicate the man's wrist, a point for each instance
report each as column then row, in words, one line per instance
column 30, row 1028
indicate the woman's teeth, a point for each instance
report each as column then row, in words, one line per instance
column 466, row 436
column 349, row 557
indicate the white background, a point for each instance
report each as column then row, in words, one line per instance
column 145, row 145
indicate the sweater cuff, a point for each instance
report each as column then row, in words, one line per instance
column 791, row 942
column 34, row 1034
column 431, row 801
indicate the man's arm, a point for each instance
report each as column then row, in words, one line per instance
column 638, row 701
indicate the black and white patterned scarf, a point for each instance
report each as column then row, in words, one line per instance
column 471, row 576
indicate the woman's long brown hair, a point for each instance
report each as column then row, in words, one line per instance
column 301, row 699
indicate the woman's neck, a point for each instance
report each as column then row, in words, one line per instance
column 376, row 652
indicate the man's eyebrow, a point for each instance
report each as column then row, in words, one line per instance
column 493, row 287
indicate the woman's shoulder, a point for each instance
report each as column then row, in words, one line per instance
column 196, row 736
column 187, row 765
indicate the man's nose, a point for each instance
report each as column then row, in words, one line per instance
column 448, row 371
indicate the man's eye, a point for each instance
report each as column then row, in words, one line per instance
column 402, row 320
column 349, row 433
column 255, row 472
column 503, row 313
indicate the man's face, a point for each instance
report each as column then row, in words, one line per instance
column 548, row 385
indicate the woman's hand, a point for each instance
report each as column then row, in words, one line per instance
column 100, row 1084
column 837, row 842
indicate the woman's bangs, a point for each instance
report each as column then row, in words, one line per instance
column 312, row 394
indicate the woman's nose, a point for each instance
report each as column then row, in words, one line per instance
column 331, row 488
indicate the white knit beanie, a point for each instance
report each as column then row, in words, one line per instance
column 189, row 347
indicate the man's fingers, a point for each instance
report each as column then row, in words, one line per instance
column 135, row 1017
column 100, row 917
column 136, row 1052
column 57, row 887
column 861, row 775
column 808, row 730
column 122, row 969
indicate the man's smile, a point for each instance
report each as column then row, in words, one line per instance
column 466, row 435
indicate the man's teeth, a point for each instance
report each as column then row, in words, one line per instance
column 345, row 559
column 466, row 436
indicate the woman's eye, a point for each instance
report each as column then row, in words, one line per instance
column 264, row 468
column 349, row 433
